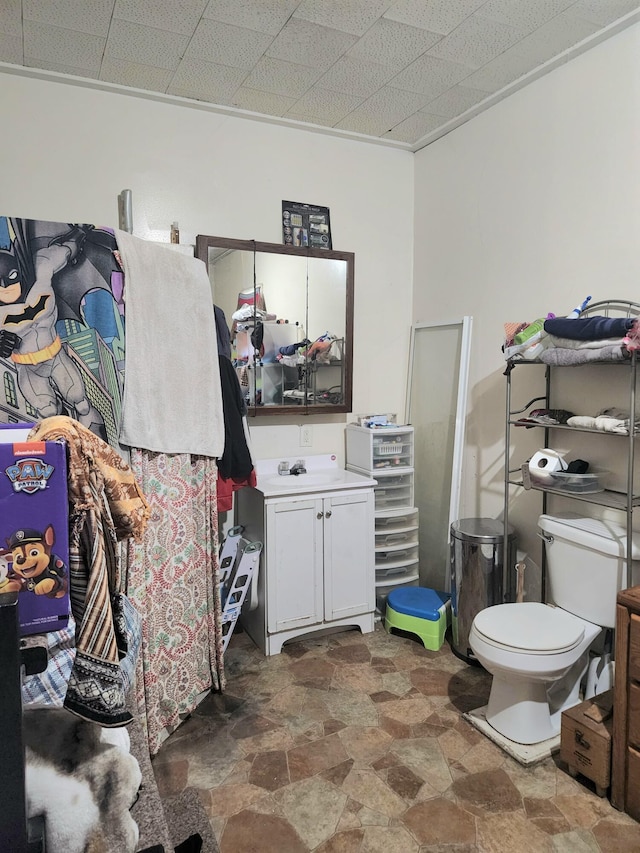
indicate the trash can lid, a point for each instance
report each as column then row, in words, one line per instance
column 487, row 529
column 417, row 601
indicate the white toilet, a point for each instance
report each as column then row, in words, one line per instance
column 539, row 653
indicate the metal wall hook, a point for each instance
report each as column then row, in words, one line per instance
column 125, row 211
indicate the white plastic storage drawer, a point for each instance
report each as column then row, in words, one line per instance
column 383, row 591
column 394, row 490
column 396, row 520
column 397, row 574
column 396, row 538
column 379, row 449
column 396, row 556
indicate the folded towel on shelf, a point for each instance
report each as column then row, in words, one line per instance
column 172, row 400
column 604, row 423
column 562, row 355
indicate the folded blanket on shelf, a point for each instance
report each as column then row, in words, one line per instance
column 570, row 343
column 562, row 355
column 588, row 328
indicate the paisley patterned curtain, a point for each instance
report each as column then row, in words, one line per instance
column 173, row 580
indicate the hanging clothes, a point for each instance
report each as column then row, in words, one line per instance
column 173, row 581
column 106, row 505
column 235, row 466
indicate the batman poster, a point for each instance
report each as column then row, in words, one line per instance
column 61, row 324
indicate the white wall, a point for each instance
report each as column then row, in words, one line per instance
column 526, row 209
column 72, row 150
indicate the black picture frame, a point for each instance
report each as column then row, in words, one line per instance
column 306, row 225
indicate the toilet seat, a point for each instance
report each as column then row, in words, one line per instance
column 529, row 628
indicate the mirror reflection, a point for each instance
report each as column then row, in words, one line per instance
column 290, row 315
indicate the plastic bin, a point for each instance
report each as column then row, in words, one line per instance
column 479, row 577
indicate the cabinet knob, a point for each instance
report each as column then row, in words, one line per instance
column 327, row 514
column 320, row 515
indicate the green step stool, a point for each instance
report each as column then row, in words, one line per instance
column 421, row 611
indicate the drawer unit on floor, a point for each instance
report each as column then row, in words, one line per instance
column 387, row 455
column 625, row 769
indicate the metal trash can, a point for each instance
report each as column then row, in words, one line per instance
column 479, row 577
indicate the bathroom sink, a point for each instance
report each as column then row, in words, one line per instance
column 319, row 480
column 298, row 481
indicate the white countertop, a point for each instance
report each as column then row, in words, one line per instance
column 322, row 475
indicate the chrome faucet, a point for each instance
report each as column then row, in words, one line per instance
column 283, row 468
column 298, row 467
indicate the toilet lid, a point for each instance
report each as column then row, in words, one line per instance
column 529, row 627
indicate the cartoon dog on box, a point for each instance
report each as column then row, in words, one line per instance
column 35, row 566
column 7, row 584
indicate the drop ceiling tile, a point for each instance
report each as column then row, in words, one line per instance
column 178, row 16
column 11, row 49
column 226, row 45
column 439, row 16
column 282, row 78
column 385, row 109
column 260, row 102
column 430, row 76
column 554, row 37
column 351, row 16
column 60, row 68
column 501, row 71
column 393, row 44
column 264, row 16
column 603, row 12
column 205, row 81
column 134, row 74
column 477, row 41
column 64, row 47
column 147, row 45
column 11, row 18
column 356, row 77
column 369, row 124
column 323, row 107
column 309, row 44
column 414, row 128
column 455, row 101
column 89, row 16
column 524, row 12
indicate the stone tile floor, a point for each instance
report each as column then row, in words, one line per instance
column 354, row 743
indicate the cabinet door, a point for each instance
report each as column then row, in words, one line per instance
column 349, row 562
column 294, row 564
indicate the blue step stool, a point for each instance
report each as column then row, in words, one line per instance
column 419, row 611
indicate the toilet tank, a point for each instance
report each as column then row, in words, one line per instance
column 586, row 565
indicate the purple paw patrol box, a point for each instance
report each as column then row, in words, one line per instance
column 34, row 529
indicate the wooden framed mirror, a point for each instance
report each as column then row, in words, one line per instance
column 290, row 315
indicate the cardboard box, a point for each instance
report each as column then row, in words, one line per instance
column 585, row 739
column 34, row 530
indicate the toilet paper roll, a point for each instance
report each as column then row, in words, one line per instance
column 544, row 463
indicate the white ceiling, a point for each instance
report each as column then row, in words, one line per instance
column 403, row 72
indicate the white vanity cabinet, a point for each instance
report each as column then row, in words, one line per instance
column 317, row 568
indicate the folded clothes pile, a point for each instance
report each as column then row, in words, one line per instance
column 606, row 420
column 544, row 417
